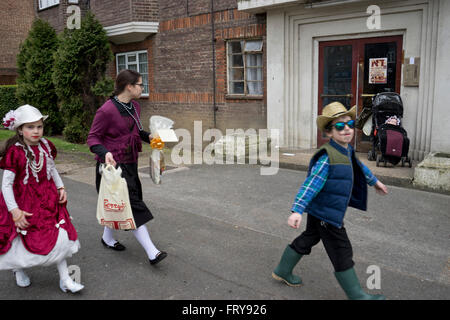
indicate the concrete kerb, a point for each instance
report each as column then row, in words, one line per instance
column 72, row 163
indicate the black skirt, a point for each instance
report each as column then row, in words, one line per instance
column 141, row 213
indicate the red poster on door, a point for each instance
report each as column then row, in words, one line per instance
column 378, row 71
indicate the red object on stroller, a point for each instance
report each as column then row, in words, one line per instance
column 390, row 142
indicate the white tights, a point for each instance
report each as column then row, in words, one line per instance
column 142, row 237
column 62, row 270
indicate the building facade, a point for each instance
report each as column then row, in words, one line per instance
column 321, row 51
column 269, row 63
column 201, row 60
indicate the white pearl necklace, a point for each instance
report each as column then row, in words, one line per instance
column 128, row 108
column 37, row 167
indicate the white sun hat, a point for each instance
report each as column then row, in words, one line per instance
column 23, row 114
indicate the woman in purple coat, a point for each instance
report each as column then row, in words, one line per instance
column 115, row 137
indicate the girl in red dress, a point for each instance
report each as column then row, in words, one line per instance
column 35, row 226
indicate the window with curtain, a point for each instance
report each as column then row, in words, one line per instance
column 136, row 61
column 245, row 67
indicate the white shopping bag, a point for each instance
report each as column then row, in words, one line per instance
column 113, row 206
column 160, row 127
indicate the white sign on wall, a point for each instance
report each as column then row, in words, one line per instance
column 378, row 70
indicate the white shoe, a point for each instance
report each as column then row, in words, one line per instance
column 22, row 280
column 69, row 284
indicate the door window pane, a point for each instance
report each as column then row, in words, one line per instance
column 337, row 78
column 380, row 50
column 337, row 74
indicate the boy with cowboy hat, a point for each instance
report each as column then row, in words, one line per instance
column 336, row 179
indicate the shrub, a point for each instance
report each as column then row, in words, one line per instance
column 8, row 100
column 35, row 67
column 79, row 76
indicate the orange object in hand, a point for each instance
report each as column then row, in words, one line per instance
column 156, row 143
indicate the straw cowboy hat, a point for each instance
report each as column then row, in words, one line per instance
column 24, row 114
column 332, row 111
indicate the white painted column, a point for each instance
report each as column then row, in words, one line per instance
column 440, row 133
column 275, row 73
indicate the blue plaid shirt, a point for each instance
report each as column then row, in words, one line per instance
column 316, row 180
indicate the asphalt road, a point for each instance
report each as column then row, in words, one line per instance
column 224, row 228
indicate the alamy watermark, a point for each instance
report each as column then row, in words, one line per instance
column 74, row 20
column 75, row 273
column 235, row 147
column 374, row 21
column 374, row 280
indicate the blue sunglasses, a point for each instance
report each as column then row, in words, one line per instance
column 341, row 125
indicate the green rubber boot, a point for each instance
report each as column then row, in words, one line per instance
column 349, row 282
column 283, row 272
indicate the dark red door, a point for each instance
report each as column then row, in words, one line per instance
column 353, row 71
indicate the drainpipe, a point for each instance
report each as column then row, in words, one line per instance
column 213, row 40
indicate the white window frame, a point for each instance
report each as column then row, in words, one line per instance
column 244, row 54
column 44, row 4
column 129, row 53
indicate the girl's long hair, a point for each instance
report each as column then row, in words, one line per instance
column 12, row 141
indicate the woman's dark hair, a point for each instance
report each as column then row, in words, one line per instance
column 124, row 78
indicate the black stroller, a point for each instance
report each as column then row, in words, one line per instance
column 387, row 134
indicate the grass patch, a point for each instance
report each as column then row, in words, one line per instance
column 60, row 144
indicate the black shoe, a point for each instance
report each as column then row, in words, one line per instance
column 117, row 246
column 161, row 255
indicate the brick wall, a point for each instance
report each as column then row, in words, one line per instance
column 181, row 63
column 111, row 12
column 172, row 9
column 114, row 12
column 16, row 18
column 145, row 10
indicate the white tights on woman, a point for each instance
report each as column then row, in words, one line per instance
column 142, row 237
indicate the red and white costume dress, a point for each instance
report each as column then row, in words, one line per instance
column 32, row 187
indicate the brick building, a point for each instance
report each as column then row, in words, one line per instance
column 200, row 59
column 16, row 17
